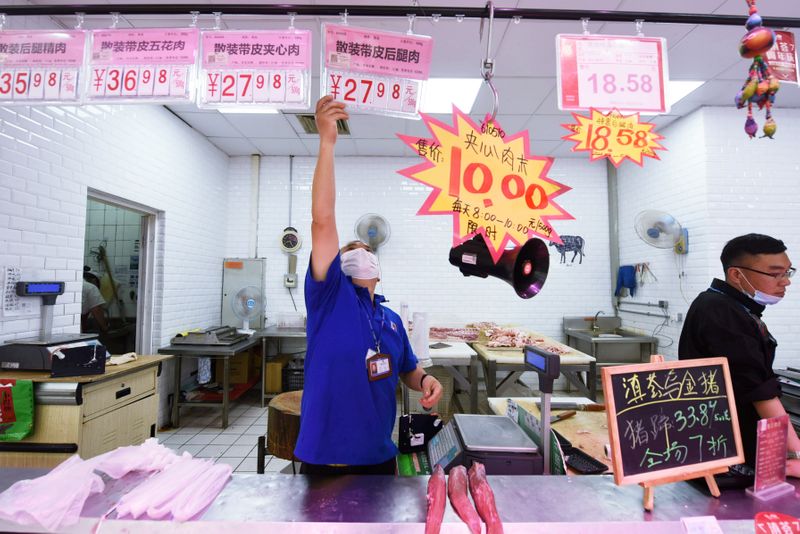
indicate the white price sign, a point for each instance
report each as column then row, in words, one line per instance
column 253, row 86
column 373, row 93
column 609, row 72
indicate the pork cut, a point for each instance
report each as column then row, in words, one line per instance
column 459, row 498
column 483, row 496
column 437, row 499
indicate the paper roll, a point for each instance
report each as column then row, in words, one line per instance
column 419, row 339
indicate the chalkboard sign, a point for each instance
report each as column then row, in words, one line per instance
column 671, row 419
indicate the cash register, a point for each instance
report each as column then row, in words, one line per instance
column 494, row 440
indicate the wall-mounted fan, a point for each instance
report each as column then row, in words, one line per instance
column 662, row 230
column 247, row 303
column 373, row 230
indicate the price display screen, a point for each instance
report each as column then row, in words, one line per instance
column 41, row 67
column 256, row 68
column 608, row 72
column 373, row 71
column 152, row 65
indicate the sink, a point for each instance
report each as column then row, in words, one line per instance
column 610, row 344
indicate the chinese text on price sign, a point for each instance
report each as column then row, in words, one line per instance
column 263, row 68
column 612, row 72
column 41, row 66
column 143, row 64
column 487, row 181
column 375, row 71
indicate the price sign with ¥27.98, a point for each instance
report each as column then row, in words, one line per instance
column 373, row 71
column 41, row 67
column 612, row 72
column 614, row 136
column 488, row 181
column 256, row 68
column 152, row 65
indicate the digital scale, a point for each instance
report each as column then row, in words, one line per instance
column 494, row 440
column 34, row 353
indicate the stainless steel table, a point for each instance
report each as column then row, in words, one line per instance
column 224, row 352
column 537, row 504
column 278, row 334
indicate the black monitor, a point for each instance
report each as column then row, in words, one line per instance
column 546, row 364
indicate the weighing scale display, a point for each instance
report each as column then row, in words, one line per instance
column 35, row 289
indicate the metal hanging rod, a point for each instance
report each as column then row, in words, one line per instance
column 392, row 11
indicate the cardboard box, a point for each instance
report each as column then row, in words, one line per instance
column 241, row 369
column 273, row 377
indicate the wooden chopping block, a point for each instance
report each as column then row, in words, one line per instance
column 283, row 424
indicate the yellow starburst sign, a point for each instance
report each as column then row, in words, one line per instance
column 614, row 136
column 488, row 182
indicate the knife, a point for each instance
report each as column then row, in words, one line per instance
column 574, row 406
column 562, row 416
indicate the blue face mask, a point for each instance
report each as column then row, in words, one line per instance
column 760, row 297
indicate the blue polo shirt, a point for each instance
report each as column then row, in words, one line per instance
column 345, row 418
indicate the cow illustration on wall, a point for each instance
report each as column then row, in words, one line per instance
column 570, row 243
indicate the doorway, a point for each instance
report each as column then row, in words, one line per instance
column 112, row 274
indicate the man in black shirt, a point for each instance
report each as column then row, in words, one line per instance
column 725, row 320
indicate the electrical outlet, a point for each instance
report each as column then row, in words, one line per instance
column 679, row 317
column 663, row 304
column 290, row 280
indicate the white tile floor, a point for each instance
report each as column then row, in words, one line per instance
column 201, row 435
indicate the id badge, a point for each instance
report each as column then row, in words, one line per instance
column 379, row 366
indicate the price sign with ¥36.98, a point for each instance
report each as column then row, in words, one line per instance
column 41, row 67
column 153, row 65
column 614, row 136
column 612, row 72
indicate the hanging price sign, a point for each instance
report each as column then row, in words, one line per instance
column 143, row 65
column 262, row 68
column 487, row 181
column 41, row 67
column 374, row 71
column 614, row 136
column 612, row 72
column 782, row 57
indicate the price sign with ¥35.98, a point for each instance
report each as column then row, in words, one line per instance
column 612, row 72
column 41, row 67
column 153, row 65
column 614, row 136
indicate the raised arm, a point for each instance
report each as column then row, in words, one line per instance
column 324, row 237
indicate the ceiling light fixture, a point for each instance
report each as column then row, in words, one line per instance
column 679, row 89
column 440, row 94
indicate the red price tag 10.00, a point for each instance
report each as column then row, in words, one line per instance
column 608, row 72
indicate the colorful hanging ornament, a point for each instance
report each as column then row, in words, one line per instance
column 760, row 86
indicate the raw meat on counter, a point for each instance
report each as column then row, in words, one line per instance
column 437, row 499
column 452, row 334
column 459, row 498
column 483, row 496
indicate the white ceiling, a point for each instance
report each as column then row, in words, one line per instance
column 525, row 68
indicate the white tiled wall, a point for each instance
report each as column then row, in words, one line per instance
column 718, row 184
column 49, row 156
column 414, row 262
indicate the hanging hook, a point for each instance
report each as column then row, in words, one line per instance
column 79, row 18
column 217, row 19
column 195, row 15
column 3, row 21
column 435, row 17
column 411, row 18
column 114, row 20
column 487, row 68
column 292, row 15
column 459, row 17
column 344, row 17
column 639, row 25
column 585, row 25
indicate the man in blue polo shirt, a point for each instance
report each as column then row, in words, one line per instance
column 357, row 349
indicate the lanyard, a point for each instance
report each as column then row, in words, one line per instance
column 376, row 339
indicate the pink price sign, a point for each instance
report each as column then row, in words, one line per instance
column 288, row 49
column 612, row 72
column 171, row 46
column 27, row 48
column 377, row 52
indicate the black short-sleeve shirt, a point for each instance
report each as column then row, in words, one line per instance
column 723, row 321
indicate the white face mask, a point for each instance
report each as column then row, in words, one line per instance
column 360, row 263
column 760, row 297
